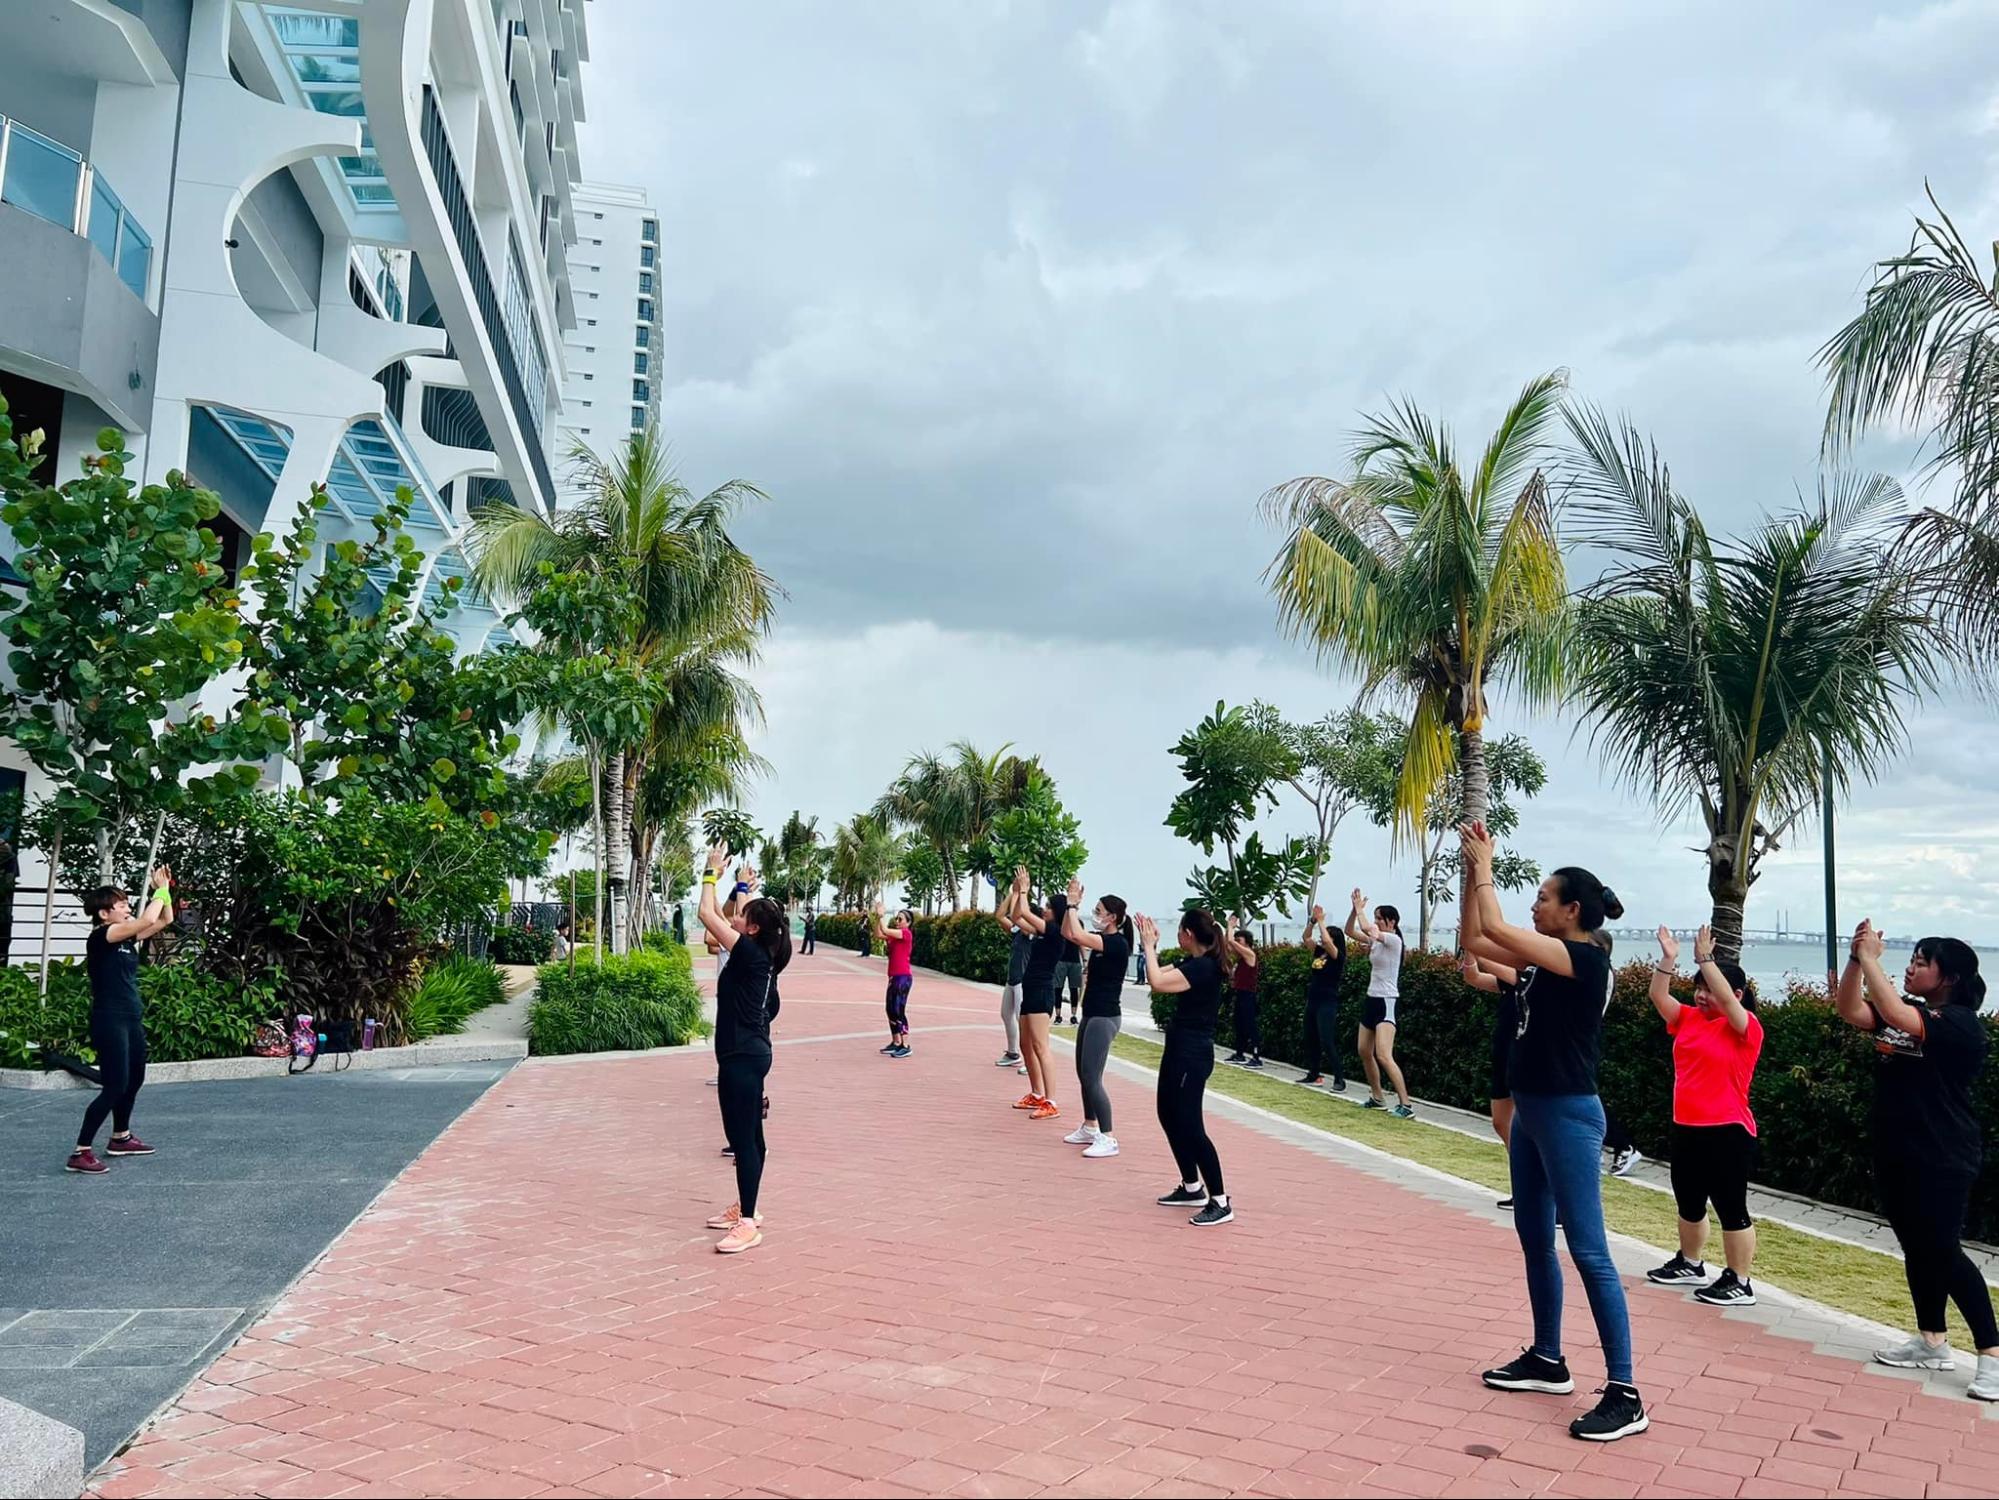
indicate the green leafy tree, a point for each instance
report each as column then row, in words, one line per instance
column 1442, row 581
column 1736, row 676
column 930, row 799
column 924, row 877
column 125, row 614
column 793, row 864
column 866, row 857
column 1333, row 765
column 1924, row 352
column 731, row 828
column 1232, row 762
column 1039, row 833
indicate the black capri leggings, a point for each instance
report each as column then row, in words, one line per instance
column 1183, row 1081
column 120, row 1042
column 1248, row 1030
column 740, row 1089
column 1711, row 1164
column 1926, row 1207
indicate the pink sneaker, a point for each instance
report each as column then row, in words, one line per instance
column 744, row 1236
column 83, row 1159
column 131, row 1145
column 729, row 1217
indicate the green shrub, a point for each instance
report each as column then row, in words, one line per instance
column 678, row 954
column 450, row 992
column 189, row 1015
column 625, row 1003
column 520, row 945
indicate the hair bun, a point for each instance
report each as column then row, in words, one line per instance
column 1612, row 907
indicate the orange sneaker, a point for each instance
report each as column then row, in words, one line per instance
column 729, row 1217
column 744, row 1236
column 1045, row 1110
column 1027, row 1101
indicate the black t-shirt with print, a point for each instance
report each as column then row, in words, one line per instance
column 114, row 974
column 1923, row 1115
column 1560, row 1037
column 1328, row 969
column 742, row 1001
column 1507, row 1022
column 1105, row 979
column 1047, row 949
column 1194, row 1012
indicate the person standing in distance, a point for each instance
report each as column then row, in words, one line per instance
column 898, row 940
column 1243, row 980
column 1037, row 996
column 811, row 933
column 1109, row 947
column 1019, row 944
column 1189, row 1060
column 1381, row 941
column 1328, row 947
column 117, row 1025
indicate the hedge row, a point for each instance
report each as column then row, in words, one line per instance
column 1813, row 1093
column 627, row 1003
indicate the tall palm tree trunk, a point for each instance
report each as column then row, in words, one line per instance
column 1728, row 889
column 597, row 838
column 1477, row 779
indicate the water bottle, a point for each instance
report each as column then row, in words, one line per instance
column 368, row 1035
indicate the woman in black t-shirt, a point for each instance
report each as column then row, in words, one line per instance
column 1328, row 947
column 117, row 1028
column 1927, row 1143
column 1504, row 981
column 1556, row 1149
column 757, row 940
column 1197, row 978
column 1109, row 950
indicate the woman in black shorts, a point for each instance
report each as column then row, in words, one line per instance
column 1189, row 1059
column 1037, row 995
column 117, row 1028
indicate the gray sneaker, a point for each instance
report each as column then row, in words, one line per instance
column 1918, row 1354
column 1985, row 1384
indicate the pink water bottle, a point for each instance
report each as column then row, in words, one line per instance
column 368, row 1035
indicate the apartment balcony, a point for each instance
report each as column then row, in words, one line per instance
column 73, row 307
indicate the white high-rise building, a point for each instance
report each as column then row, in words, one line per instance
column 279, row 245
column 612, row 353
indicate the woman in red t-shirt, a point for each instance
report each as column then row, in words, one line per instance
column 1716, row 1041
column 898, row 940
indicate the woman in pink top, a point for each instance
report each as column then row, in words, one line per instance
column 1716, row 1041
column 898, row 939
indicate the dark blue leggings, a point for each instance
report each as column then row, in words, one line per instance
column 1557, row 1157
column 120, row 1042
column 898, row 1004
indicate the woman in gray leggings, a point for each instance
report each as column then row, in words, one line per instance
column 1109, row 950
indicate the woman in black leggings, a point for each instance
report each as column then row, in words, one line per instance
column 758, row 942
column 117, row 1030
column 1189, row 1059
column 1927, row 1146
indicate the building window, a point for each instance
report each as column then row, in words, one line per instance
column 645, row 336
column 646, row 254
column 641, row 391
column 639, row 364
column 645, row 282
column 651, row 229
column 645, row 309
column 638, row 418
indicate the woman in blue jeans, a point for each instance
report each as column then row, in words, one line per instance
column 1557, row 1141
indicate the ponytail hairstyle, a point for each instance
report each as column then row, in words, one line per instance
column 1197, row 923
column 1594, row 900
column 1958, row 964
column 1389, row 914
column 1603, row 940
column 1116, row 907
column 1738, row 981
column 773, row 933
column 101, row 900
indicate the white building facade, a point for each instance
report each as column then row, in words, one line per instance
column 286, row 244
column 612, row 353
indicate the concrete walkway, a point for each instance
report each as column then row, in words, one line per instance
column 949, row 1300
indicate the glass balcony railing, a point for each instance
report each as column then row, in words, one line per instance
column 52, row 182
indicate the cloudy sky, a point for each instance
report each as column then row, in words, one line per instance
column 1014, row 307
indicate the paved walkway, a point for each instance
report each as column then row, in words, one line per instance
column 948, row 1300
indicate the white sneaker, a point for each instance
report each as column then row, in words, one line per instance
column 1984, row 1385
column 1621, row 1165
column 1082, row 1135
column 1103, row 1145
column 1917, row 1354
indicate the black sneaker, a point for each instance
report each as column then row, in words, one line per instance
column 1728, row 1290
column 1339, row 1085
column 1370, row 1102
column 1313, row 1078
column 1532, row 1372
column 1507, row 1204
column 1679, row 1271
column 729, row 1151
column 1214, row 1213
column 1254, row 1062
column 1234, row 1057
column 1181, row 1198
column 902, row 1051
column 888, row 1051
column 1619, row 1414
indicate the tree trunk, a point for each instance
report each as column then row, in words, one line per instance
column 615, row 852
column 597, row 858
column 49, row 909
column 1478, row 802
column 1729, row 889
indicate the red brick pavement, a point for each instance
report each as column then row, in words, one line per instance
column 948, row 1300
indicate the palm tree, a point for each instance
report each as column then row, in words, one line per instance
column 929, row 800
column 1414, row 573
column 864, row 859
column 1737, row 676
column 987, row 786
column 1924, row 351
column 705, row 606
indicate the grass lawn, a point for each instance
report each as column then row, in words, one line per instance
column 1851, row 1279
